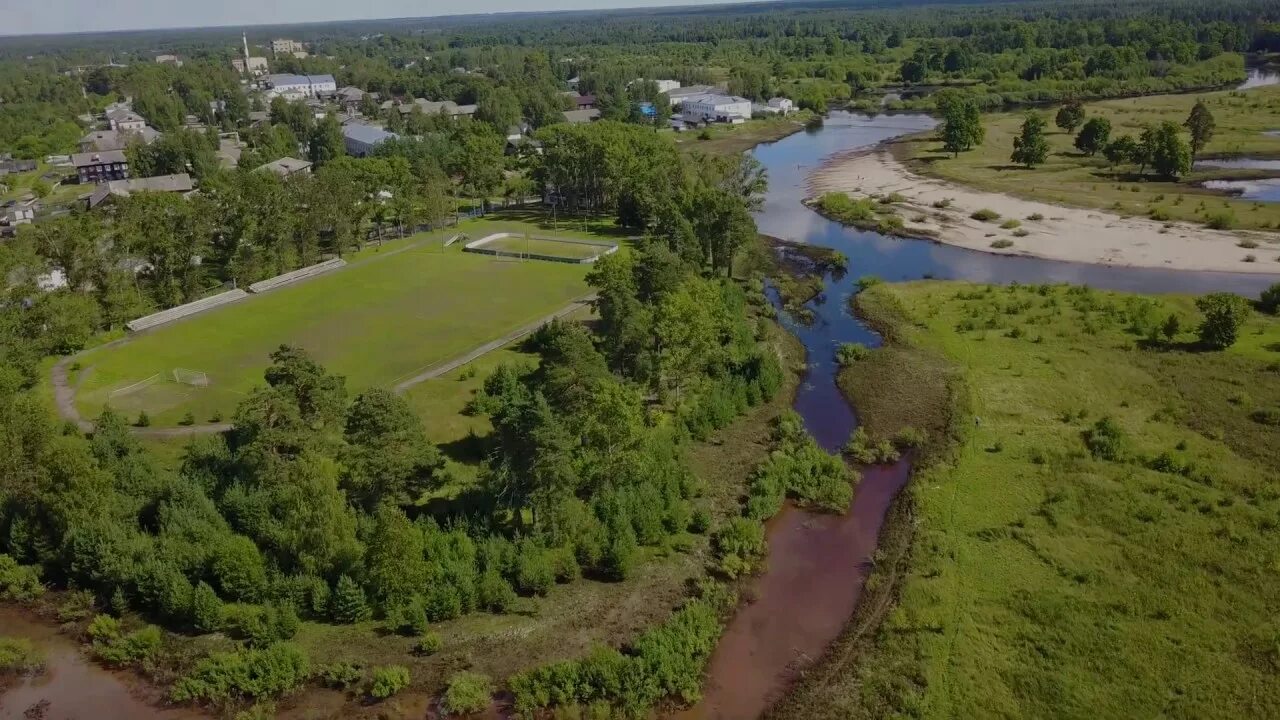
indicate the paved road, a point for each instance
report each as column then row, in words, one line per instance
column 64, row 393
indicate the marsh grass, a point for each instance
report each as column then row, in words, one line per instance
column 1037, row 562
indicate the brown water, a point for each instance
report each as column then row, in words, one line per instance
column 817, row 565
column 73, row 687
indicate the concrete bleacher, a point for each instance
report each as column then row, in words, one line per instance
column 296, row 275
column 181, row 311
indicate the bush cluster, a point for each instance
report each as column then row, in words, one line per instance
column 666, row 661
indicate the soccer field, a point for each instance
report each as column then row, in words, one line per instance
column 382, row 319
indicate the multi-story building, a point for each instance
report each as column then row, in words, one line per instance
column 716, row 108
column 98, row 167
column 308, row 85
column 286, row 47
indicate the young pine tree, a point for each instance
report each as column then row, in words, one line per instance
column 348, row 604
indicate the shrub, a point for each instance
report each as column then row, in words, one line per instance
column 867, row 281
column 535, row 572
column 1011, row 224
column 986, row 215
column 892, row 198
column 1105, row 440
column 494, row 593
column 1224, row 315
column 1270, row 299
column 206, row 608
column 739, row 546
column 1220, row 220
column 144, row 420
column 1266, row 416
column 251, row 673
column 1035, row 217
column 1002, row 243
column 18, row 656
column 700, row 522
column 115, row 649
column 468, row 692
column 705, row 134
column 429, row 644
column 260, row 625
column 341, row 675
column 387, row 681
column 189, row 418
column 849, row 353
column 909, row 437
column 1159, row 214
column 942, row 204
column 1248, row 244
column 19, row 583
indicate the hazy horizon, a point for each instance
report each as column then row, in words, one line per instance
column 86, row 16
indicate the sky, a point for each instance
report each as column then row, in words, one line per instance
column 24, row 17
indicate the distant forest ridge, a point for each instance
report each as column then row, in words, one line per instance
column 637, row 25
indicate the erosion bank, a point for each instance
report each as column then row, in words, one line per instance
column 944, row 211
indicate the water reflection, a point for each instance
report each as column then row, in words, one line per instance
column 1259, row 77
column 791, row 160
column 1260, row 190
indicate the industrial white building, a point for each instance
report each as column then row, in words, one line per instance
column 715, row 108
column 307, row 85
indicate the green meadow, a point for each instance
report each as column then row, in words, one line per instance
column 1100, row 535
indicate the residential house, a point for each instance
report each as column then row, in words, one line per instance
column 99, row 167
column 9, row 166
column 286, row 166
column 584, row 102
column 361, row 139
column 258, row 118
column 578, row 117
column 169, row 60
column 180, row 183
column 124, row 118
column 781, row 105
column 716, row 108
column 442, row 107
column 101, row 140
column 21, row 212
column 350, row 98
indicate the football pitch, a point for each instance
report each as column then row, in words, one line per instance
column 382, row 319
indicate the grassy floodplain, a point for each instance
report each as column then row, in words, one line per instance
column 1071, row 178
column 1045, row 580
column 394, row 311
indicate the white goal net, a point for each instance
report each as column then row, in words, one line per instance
column 197, row 378
column 134, row 387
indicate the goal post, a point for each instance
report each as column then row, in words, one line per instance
column 134, row 387
column 197, row 378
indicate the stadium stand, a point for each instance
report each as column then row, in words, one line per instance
column 181, row 311
column 296, row 275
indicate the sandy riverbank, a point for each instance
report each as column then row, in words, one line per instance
column 1065, row 233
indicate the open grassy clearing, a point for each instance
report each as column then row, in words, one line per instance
column 735, row 139
column 1071, row 178
column 1047, row 580
column 374, row 322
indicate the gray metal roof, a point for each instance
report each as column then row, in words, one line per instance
column 98, row 158
column 367, row 134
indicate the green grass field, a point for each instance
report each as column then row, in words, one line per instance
column 379, row 320
column 1046, row 581
column 1070, row 178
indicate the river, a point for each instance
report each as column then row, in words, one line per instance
column 817, row 563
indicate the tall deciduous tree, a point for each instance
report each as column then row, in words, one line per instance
column 961, row 123
column 1201, row 125
column 1070, row 116
column 1094, row 135
column 1031, row 147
